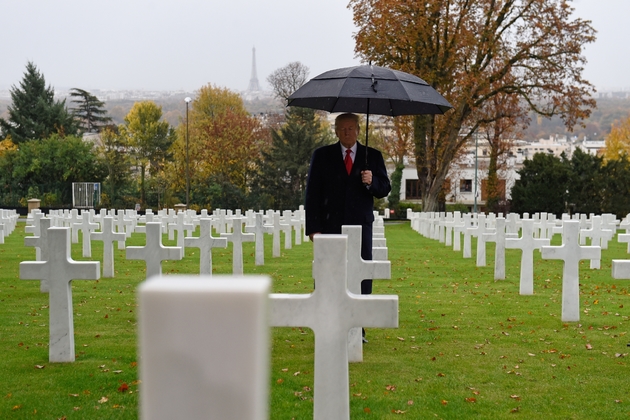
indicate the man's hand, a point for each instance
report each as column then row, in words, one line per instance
column 366, row 177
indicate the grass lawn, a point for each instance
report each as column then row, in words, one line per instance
column 466, row 347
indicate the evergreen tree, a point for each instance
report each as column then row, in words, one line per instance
column 283, row 171
column 89, row 111
column 543, row 185
column 587, row 183
column 34, row 113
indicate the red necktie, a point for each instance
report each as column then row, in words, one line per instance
column 348, row 161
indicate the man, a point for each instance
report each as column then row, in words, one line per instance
column 340, row 189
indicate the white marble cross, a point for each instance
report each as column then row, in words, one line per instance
column 60, row 270
column 469, row 224
column 598, row 236
column 527, row 244
column 285, row 226
column 275, row 220
column 331, row 311
column 237, row 237
column 120, row 226
column 153, row 253
column 459, row 226
column 259, row 229
column 498, row 237
column 479, row 232
column 359, row 270
column 621, row 269
column 571, row 253
column 41, row 243
column 108, row 236
column 180, row 226
column 86, row 227
column 204, row 347
column 205, row 242
column 74, row 221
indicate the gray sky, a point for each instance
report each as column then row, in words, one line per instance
column 186, row 44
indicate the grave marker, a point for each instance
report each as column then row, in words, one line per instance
column 205, row 242
column 237, row 237
column 571, row 253
column 60, row 270
column 108, row 236
column 527, row 244
column 204, row 348
column 330, row 311
column 359, row 270
column 153, row 253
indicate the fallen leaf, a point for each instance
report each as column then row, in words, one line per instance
column 471, row 400
column 390, row 388
column 410, row 402
column 40, row 366
column 103, row 400
column 515, row 410
column 367, row 410
column 123, row 387
column 515, row 397
column 398, row 412
column 279, row 381
column 285, row 370
column 441, row 374
column 400, row 339
column 117, row 371
column 589, row 347
column 444, row 402
column 73, row 395
column 296, row 373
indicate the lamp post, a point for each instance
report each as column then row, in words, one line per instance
column 187, row 100
column 476, row 164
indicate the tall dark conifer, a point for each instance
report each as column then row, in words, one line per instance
column 89, row 111
column 34, row 113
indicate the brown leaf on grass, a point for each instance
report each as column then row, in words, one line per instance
column 103, row 400
column 444, row 402
column 123, row 387
column 440, row 374
column 515, row 410
column 398, row 412
column 390, row 388
column 40, row 366
column 16, row 407
column 471, row 400
column 589, row 347
column 280, row 381
column 400, row 339
column 515, row 397
column 410, row 402
column 618, row 401
column 133, row 364
column 367, row 410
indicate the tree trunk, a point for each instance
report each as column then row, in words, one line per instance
column 492, row 185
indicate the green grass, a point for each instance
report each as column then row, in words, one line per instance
column 466, row 347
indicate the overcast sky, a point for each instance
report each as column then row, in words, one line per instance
column 186, row 44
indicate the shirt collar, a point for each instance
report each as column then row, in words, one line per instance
column 353, row 148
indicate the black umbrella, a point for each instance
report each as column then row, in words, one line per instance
column 369, row 90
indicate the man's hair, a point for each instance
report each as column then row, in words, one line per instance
column 347, row 116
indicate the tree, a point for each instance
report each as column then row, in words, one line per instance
column 53, row 164
column 543, row 185
column 114, row 156
column 472, row 52
column 148, row 139
column 284, row 167
column 89, row 111
column 34, row 113
column 224, row 145
column 288, row 79
column 618, row 141
column 586, row 183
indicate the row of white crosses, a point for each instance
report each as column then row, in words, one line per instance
column 190, row 371
column 49, row 248
column 536, row 234
column 8, row 220
column 331, row 311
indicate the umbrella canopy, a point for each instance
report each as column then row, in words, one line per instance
column 370, row 90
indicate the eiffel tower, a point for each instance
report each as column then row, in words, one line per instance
column 253, row 81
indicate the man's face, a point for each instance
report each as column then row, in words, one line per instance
column 347, row 131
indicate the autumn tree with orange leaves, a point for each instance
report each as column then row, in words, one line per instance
column 225, row 144
column 618, row 141
column 473, row 52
